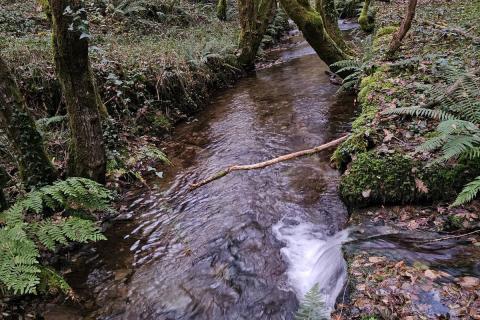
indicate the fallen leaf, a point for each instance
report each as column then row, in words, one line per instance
column 375, row 259
column 430, row 274
column 388, row 135
column 421, row 186
column 469, row 282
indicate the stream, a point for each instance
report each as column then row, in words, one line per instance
column 230, row 249
column 247, row 246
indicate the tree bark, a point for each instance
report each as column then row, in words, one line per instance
column 70, row 41
column 34, row 165
column 222, row 10
column 329, row 14
column 404, row 27
column 311, row 24
column 4, row 178
column 364, row 20
column 255, row 16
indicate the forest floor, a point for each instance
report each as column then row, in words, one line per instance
column 379, row 286
column 156, row 63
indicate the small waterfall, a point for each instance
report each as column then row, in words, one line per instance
column 313, row 257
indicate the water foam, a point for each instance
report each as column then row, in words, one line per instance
column 313, row 258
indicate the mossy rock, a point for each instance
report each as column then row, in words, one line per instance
column 398, row 179
column 383, row 36
column 363, row 137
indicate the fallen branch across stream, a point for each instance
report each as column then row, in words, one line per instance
column 270, row 162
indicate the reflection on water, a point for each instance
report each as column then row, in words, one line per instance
column 212, row 253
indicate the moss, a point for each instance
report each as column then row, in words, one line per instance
column 366, row 20
column 383, row 31
column 383, row 37
column 392, row 179
column 357, row 143
column 222, row 10
column 363, row 136
column 162, row 122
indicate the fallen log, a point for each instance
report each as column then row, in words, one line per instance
column 270, row 162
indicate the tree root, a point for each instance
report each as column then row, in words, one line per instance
column 270, row 162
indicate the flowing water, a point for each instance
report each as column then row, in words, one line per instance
column 241, row 247
column 250, row 245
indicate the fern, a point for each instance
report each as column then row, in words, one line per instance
column 468, row 193
column 420, row 112
column 457, row 106
column 150, row 152
column 51, row 281
column 355, row 68
column 21, row 242
column 312, row 306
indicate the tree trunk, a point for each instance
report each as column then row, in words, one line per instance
column 222, row 10
column 34, row 165
column 311, row 24
column 365, row 23
column 4, row 178
column 329, row 14
column 404, row 27
column 70, row 40
column 255, row 16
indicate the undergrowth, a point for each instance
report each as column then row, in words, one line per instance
column 43, row 220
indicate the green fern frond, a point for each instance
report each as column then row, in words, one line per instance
column 20, row 269
column 456, row 146
column 52, row 282
column 312, row 306
column 468, row 193
column 473, row 153
column 421, row 112
column 19, row 255
column 155, row 153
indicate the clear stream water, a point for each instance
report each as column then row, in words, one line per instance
column 233, row 249
column 247, row 246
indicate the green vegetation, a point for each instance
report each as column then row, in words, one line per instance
column 399, row 179
column 91, row 90
column 312, row 306
column 35, row 223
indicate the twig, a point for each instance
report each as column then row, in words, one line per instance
column 270, row 162
column 450, row 237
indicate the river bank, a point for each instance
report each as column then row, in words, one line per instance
column 156, row 66
column 384, row 173
column 213, row 253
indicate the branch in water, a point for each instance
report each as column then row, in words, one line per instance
column 270, row 162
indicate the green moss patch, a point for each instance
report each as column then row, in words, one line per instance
column 398, row 179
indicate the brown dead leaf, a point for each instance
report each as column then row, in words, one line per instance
column 469, row 282
column 430, row 274
column 421, row 186
column 388, row 135
column 376, row 259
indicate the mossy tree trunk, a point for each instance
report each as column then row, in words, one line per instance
column 329, row 14
column 4, row 178
column 34, row 165
column 255, row 16
column 365, row 22
column 70, row 40
column 222, row 10
column 310, row 22
column 404, row 27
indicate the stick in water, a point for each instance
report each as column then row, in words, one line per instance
column 267, row 163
